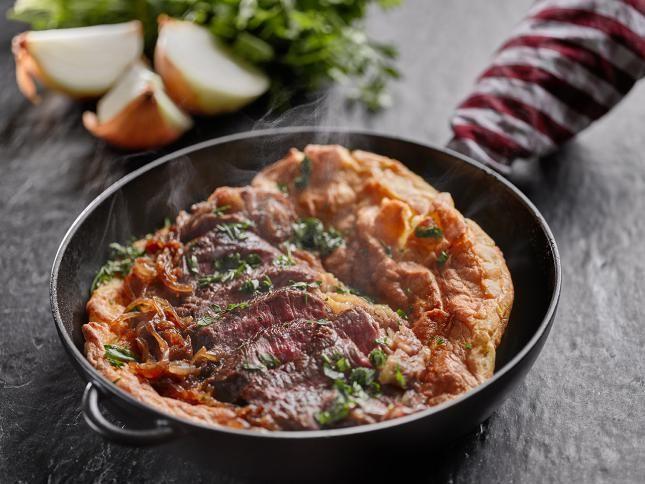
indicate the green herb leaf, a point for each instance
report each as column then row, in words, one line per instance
column 383, row 340
column 400, row 378
column 221, row 210
column 269, row 360
column 338, row 411
column 440, row 340
column 235, row 230
column 468, row 346
column 230, row 267
column 402, row 314
column 121, row 261
column 442, row 258
column 283, row 187
column 117, row 356
column 251, row 286
column 205, row 321
column 428, row 232
column 193, row 265
column 303, row 286
column 251, row 367
column 377, row 358
column 310, row 234
column 302, row 180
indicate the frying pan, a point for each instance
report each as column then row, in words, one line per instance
column 138, row 204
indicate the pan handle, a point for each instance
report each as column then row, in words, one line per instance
column 162, row 432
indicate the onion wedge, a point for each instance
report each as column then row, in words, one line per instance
column 200, row 73
column 81, row 62
column 137, row 114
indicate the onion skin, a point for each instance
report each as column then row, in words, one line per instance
column 176, row 86
column 184, row 92
column 140, row 126
column 27, row 70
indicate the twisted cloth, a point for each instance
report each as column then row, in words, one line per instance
column 566, row 64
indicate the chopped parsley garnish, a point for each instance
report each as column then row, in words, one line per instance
column 377, row 358
column 351, row 385
column 350, row 290
column 365, row 378
column 269, row 360
column 235, row 307
column 230, row 267
column 235, row 230
column 283, row 187
column 383, row 340
column 468, row 346
column 284, row 260
column 251, row 286
column 251, row 367
column 320, row 322
column 218, row 312
column 121, row 261
column 400, row 378
column 335, row 413
column 342, row 364
column 205, row 321
column 191, row 262
column 402, row 313
column 303, row 286
column 428, row 232
column 442, row 258
column 309, row 233
column 221, row 210
column 387, row 249
column 118, row 356
column 440, row 340
column 302, row 180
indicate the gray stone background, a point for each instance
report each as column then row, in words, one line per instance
column 578, row 417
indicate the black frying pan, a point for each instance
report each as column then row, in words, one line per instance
column 138, row 204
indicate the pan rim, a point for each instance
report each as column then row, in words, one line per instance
column 105, row 385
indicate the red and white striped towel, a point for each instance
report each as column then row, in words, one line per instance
column 566, row 65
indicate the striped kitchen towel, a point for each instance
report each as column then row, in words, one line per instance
column 566, row 65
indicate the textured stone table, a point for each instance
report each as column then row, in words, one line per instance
column 579, row 416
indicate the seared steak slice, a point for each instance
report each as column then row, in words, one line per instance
column 237, row 327
column 281, row 369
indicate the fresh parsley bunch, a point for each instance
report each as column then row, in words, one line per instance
column 302, row 44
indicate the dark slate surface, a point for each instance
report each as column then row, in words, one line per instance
column 578, row 417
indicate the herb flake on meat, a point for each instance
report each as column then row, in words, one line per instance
column 310, row 234
column 192, row 264
column 269, row 360
column 252, row 286
column 230, row 267
column 235, row 230
column 251, row 367
column 378, row 358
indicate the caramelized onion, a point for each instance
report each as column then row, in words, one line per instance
column 204, row 355
column 144, row 270
column 182, row 368
column 164, row 350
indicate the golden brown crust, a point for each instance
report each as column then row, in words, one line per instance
column 459, row 308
